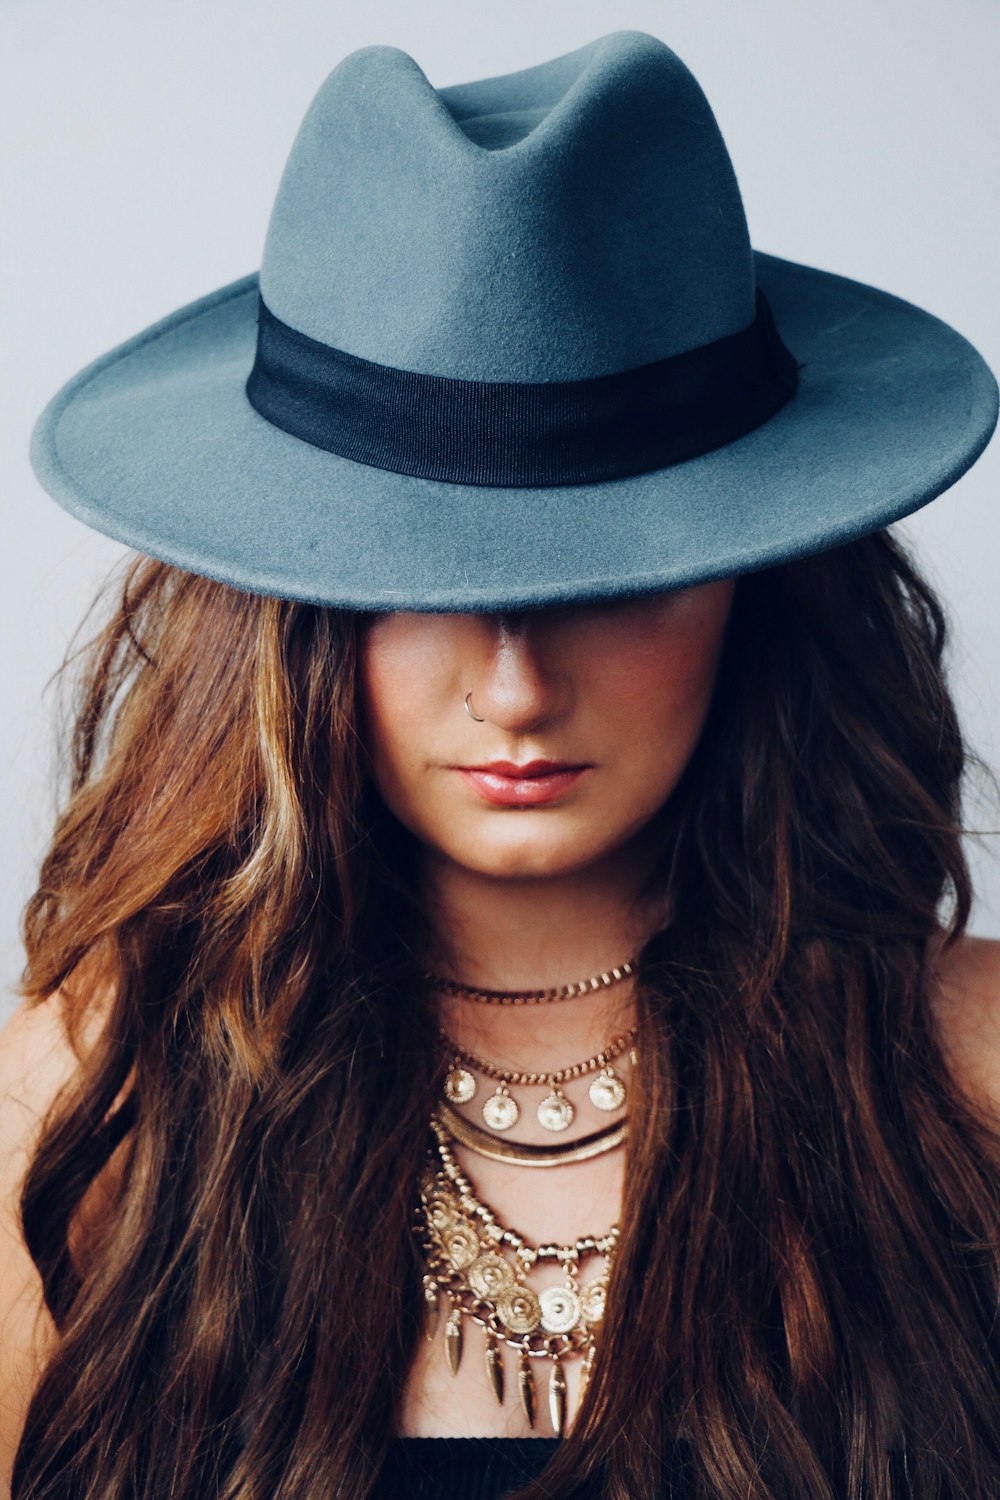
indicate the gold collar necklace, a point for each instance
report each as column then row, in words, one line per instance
column 524, row 1153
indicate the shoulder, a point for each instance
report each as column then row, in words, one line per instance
column 36, row 1061
column 966, row 1007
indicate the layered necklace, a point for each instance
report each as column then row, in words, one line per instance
column 477, row 1268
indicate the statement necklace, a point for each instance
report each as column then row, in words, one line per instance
column 555, row 1112
column 604, row 980
column 464, row 1244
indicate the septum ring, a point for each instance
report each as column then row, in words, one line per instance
column 468, row 710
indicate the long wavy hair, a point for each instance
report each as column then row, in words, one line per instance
column 808, row 1279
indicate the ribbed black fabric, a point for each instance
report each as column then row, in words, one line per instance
column 480, row 1468
column 462, row 1468
column 489, row 1468
column 485, row 432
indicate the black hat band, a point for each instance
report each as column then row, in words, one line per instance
column 521, row 433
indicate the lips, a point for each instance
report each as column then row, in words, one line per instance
column 529, row 768
column 505, row 784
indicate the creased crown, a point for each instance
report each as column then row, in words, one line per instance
column 573, row 219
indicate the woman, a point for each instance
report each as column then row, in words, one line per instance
column 500, row 973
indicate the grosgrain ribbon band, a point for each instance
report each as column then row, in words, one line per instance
column 485, row 432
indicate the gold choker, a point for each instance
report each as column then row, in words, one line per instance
column 601, row 981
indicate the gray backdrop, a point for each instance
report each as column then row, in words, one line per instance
column 143, row 145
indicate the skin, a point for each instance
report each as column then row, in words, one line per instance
column 622, row 686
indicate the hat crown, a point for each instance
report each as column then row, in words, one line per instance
column 577, row 218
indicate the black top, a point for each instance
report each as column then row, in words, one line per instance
column 474, row 1468
column 481, row 1468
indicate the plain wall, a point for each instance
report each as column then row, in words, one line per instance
column 143, row 145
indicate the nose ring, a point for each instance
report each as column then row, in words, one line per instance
column 468, row 710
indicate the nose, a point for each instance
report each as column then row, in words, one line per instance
column 518, row 682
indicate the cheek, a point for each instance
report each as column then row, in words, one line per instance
column 390, row 704
column 407, row 695
column 662, row 690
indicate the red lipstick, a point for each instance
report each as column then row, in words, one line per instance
column 506, row 784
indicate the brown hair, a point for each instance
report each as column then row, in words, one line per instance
column 807, row 1282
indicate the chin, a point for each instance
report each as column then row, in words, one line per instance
column 526, row 859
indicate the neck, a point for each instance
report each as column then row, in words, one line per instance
column 521, row 933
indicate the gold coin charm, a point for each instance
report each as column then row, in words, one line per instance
column 560, row 1309
column 441, row 1211
column 501, row 1111
column 494, row 1366
column 607, row 1090
column 461, row 1245
column 592, row 1301
column 453, row 1339
column 557, row 1397
column 459, row 1086
column 491, row 1276
column 526, row 1387
column 555, row 1111
column 520, row 1310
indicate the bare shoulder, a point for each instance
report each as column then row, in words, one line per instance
column 966, row 1002
column 36, row 1061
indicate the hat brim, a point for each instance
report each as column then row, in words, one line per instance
column 156, row 445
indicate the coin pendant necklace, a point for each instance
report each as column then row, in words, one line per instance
column 555, row 1112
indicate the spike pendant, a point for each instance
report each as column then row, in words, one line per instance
column 494, row 1366
column 453, row 1339
column 557, row 1397
column 526, row 1387
column 585, row 1372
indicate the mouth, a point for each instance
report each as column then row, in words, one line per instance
column 506, row 784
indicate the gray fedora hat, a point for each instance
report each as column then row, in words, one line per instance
column 510, row 346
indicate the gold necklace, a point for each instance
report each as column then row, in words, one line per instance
column 501, row 1110
column 463, row 1243
column 604, row 980
column 524, row 1154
